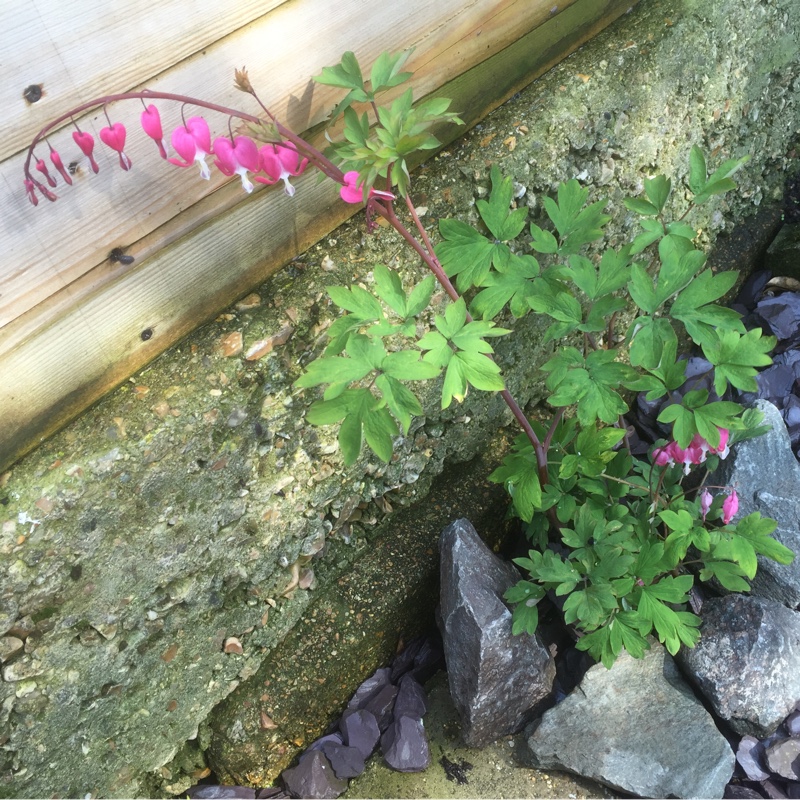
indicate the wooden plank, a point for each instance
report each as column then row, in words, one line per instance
column 79, row 49
column 58, row 369
column 47, row 248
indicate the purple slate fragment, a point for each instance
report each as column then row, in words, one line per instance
column 347, row 762
column 783, row 758
column 773, row 790
column 774, row 383
column 210, row 792
column 735, row 791
column 429, row 660
column 360, row 730
column 793, row 723
column 381, row 705
column 411, row 700
column 405, row 745
column 330, row 738
column 793, row 789
column 750, row 756
column 313, row 777
column 370, row 687
column 271, row 791
column 405, row 660
column 752, row 288
column 782, row 313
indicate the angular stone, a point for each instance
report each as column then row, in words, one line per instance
column 360, row 730
column 347, row 762
column 380, row 705
column 766, row 474
column 497, row 680
column 211, row 792
column 411, row 700
column 313, row 777
column 783, row 757
column 750, row 756
column 746, row 661
column 638, row 728
column 405, row 745
column 371, row 686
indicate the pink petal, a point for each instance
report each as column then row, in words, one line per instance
column 151, row 123
column 30, row 189
column 730, row 507
column 114, row 137
column 350, row 192
column 59, row 165
column 42, row 167
column 224, row 160
column 184, row 145
column 198, row 128
column 86, row 143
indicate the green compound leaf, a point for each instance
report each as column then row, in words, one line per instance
column 576, row 223
column 401, row 400
column 357, row 409
column 650, row 338
column 502, row 222
column 695, row 307
column 357, row 300
column 730, row 575
column 520, row 475
column 386, row 72
column 657, row 190
column 591, row 606
column 525, row 618
column 735, row 358
column 672, row 627
column 606, row 643
column 653, row 231
column 511, row 281
column 756, row 530
column 464, row 253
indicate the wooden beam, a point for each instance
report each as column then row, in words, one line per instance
column 65, row 359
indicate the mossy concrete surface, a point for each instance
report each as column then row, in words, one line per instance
column 165, row 531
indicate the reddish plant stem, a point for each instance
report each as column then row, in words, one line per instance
column 386, row 210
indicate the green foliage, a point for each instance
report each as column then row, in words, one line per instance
column 619, row 538
column 401, row 129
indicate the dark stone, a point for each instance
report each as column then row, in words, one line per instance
column 404, row 661
column 735, row 791
column 783, row 758
column 405, row 745
column 793, row 723
column 380, row 705
column 371, row 686
column 638, row 728
column 745, row 663
column 313, row 777
column 429, row 660
column 360, row 730
column 347, row 762
column 497, row 680
column 411, row 700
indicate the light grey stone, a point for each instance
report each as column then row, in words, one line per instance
column 638, row 728
column 766, row 475
column 497, row 680
column 746, row 662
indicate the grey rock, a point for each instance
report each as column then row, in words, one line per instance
column 766, row 474
column 405, row 745
column 313, row 777
column 497, row 680
column 638, row 728
column 745, row 663
column 330, row 738
column 793, row 723
column 360, row 730
column 783, row 757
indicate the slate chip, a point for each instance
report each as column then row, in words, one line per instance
column 211, row 792
column 783, row 758
column 360, row 730
column 313, row 777
column 405, row 745
column 347, row 762
column 411, row 700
